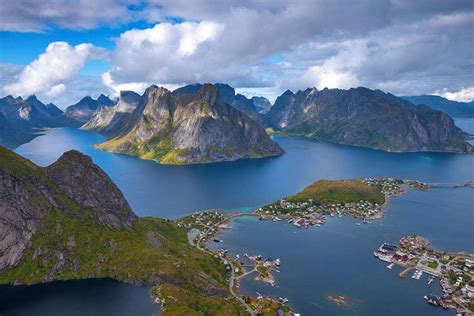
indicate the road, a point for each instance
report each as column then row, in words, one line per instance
column 232, row 268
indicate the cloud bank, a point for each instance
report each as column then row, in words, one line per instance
column 404, row 47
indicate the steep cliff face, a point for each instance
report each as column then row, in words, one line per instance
column 228, row 96
column 191, row 128
column 113, row 120
column 73, row 186
column 365, row 117
column 83, row 110
column 262, row 104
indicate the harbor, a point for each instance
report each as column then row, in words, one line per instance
column 454, row 271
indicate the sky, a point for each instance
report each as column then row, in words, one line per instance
column 63, row 50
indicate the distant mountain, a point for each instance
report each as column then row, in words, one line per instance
column 453, row 108
column 364, row 117
column 10, row 136
column 196, row 127
column 83, row 110
column 113, row 120
column 24, row 118
column 29, row 113
column 262, row 104
column 49, row 108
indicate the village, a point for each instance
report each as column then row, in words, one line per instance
column 313, row 213
column 455, row 271
column 203, row 228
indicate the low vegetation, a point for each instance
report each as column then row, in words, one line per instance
column 339, row 191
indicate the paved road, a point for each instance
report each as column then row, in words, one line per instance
column 232, row 268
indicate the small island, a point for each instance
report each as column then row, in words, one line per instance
column 363, row 199
column 455, row 270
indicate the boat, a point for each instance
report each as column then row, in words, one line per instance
column 390, row 266
column 385, row 258
column 432, row 299
column 376, row 254
column 358, row 224
column 430, row 279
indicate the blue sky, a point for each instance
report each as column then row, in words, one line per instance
column 62, row 50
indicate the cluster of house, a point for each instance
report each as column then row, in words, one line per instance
column 389, row 186
column 455, row 271
column 303, row 214
column 201, row 219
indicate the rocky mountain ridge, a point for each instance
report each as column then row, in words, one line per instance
column 191, row 125
column 368, row 118
column 73, row 185
column 69, row 221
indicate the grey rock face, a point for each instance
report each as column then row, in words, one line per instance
column 190, row 128
column 73, row 185
column 91, row 188
column 262, row 104
column 365, row 117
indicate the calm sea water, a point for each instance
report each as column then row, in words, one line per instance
column 173, row 191
column 77, row 298
column 336, row 259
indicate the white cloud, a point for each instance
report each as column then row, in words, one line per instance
column 164, row 54
column 404, row 47
column 38, row 16
column 337, row 71
column 59, row 63
column 56, row 90
column 462, row 95
column 138, row 87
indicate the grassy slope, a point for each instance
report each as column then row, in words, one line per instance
column 71, row 245
column 339, row 191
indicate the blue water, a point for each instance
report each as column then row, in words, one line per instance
column 173, row 191
column 335, row 259
column 77, row 298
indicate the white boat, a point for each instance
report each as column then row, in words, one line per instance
column 390, row 266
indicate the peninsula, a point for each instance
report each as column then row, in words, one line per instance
column 70, row 221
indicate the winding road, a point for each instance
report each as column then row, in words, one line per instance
column 232, row 268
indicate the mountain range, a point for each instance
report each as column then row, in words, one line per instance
column 368, row 118
column 453, row 108
column 211, row 122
